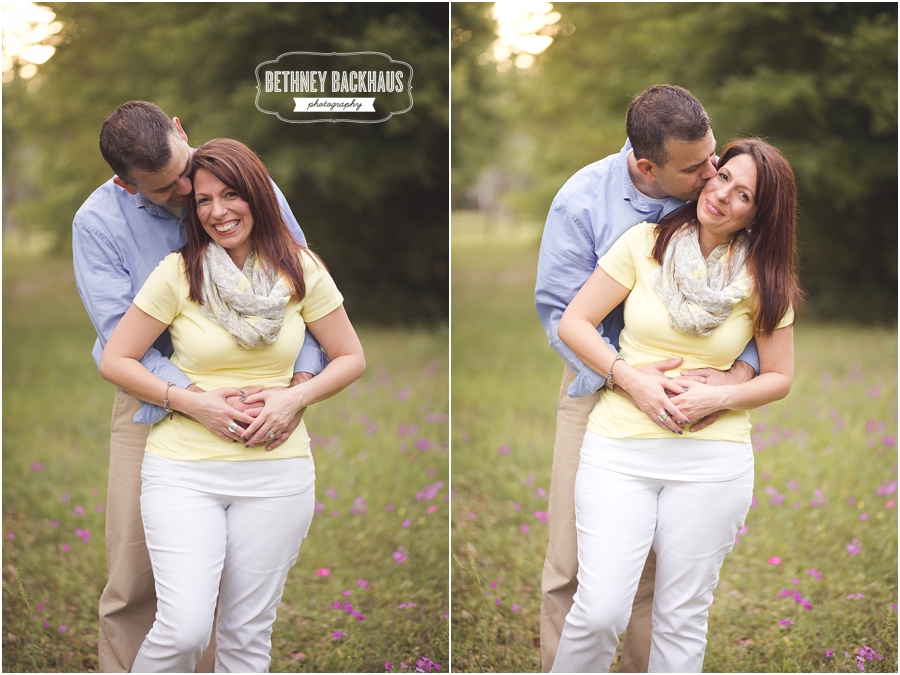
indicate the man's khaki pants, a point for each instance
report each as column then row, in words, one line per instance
column 559, row 579
column 128, row 603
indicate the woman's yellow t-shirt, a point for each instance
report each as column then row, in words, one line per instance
column 647, row 337
column 206, row 353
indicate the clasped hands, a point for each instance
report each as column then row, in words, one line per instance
column 673, row 403
column 253, row 415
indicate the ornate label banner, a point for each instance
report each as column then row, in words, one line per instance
column 360, row 87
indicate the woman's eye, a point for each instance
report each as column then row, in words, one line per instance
column 723, row 176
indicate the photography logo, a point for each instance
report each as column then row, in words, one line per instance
column 360, row 87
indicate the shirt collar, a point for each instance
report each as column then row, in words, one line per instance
column 155, row 209
column 629, row 192
column 143, row 203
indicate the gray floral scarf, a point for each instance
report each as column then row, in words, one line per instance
column 248, row 303
column 698, row 293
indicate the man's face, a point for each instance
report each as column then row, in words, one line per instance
column 170, row 187
column 690, row 165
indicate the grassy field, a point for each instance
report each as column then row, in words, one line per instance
column 381, row 451
column 825, row 497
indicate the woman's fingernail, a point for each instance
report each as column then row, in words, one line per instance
column 244, row 398
column 242, row 391
column 244, row 438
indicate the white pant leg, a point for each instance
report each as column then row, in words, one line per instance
column 615, row 520
column 697, row 526
column 186, row 533
column 264, row 537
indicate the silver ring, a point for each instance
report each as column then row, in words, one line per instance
column 270, row 434
column 663, row 416
column 233, row 427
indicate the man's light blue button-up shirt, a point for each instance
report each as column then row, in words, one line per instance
column 118, row 239
column 593, row 209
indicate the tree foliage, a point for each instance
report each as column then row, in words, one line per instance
column 818, row 80
column 372, row 198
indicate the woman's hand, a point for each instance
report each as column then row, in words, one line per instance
column 649, row 393
column 211, row 409
column 279, row 414
column 699, row 400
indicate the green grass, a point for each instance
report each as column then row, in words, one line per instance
column 377, row 445
column 836, row 432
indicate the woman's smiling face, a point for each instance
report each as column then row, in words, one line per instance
column 727, row 203
column 224, row 214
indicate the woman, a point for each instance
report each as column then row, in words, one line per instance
column 223, row 519
column 700, row 285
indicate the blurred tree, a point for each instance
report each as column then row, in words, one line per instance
column 372, row 198
column 475, row 96
column 818, row 80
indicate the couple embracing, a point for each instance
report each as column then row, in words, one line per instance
column 219, row 327
column 667, row 282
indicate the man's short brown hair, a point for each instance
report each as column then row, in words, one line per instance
column 137, row 137
column 664, row 113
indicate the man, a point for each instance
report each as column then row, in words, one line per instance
column 120, row 234
column 667, row 159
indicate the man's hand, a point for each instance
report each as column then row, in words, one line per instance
column 237, row 402
column 295, row 380
column 740, row 372
column 706, row 421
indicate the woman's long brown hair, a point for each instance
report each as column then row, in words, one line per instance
column 239, row 168
column 772, row 247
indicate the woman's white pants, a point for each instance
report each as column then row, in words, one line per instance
column 207, row 547
column 690, row 525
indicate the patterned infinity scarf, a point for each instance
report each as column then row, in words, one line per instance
column 248, row 303
column 698, row 293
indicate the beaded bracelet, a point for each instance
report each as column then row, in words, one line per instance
column 166, row 407
column 609, row 375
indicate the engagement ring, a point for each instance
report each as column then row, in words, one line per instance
column 233, row 427
column 270, row 434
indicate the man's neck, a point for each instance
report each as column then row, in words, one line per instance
column 640, row 183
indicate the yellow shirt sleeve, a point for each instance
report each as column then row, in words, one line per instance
column 322, row 296
column 620, row 262
column 163, row 292
column 787, row 319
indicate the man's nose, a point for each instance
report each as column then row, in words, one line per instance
column 709, row 169
column 183, row 186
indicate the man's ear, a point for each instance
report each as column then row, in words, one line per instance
column 647, row 169
column 128, row 187
column 180, row 130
